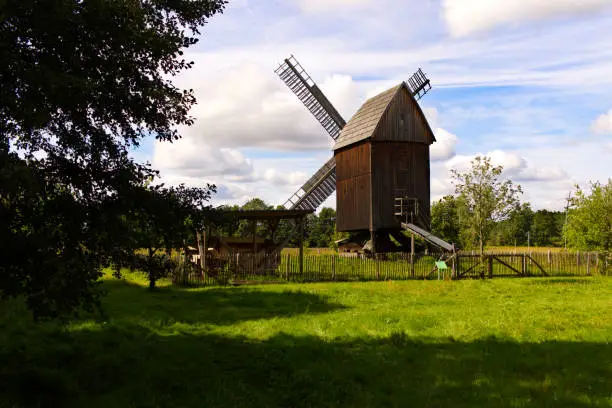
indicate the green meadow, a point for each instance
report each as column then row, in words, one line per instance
column 533, row 342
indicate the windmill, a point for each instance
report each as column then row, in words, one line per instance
column 323, row 182
column 389, row 127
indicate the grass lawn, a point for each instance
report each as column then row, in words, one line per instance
column 539, row 342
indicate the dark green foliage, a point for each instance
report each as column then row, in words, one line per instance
column 245, row 228
column 82, row 82
column 547, row 228
column 589, row 220
column 322, row 228
column 514, row 229
column 445, row 219
column 162, row 218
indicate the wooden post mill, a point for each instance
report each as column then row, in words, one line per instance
column 380, row 167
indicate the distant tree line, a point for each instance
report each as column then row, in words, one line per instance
column 522, row 227
column 485, row 210
column 484, row 203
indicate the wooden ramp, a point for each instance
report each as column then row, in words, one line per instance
column 428, row 236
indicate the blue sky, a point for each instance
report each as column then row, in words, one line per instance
column 528, row 82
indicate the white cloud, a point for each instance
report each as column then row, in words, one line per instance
column 293, row 178
column 465, row 17
column 440, row 187
column 444, row 146
column 516, row 167
column 246, row 105
column 192, row 158
column 432, row 116
column 344, row 92
column 312, row 6
column 603, row 123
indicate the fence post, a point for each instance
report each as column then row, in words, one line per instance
column 377, row 266
column 588, row 263
column 286, row 266
column 302, row 220
column 548, row 256
column 490, row 266
column 458, row 265
column 523, row 266
column 333, row 267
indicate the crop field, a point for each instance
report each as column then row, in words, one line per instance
column 533, row 342
column 488, row 249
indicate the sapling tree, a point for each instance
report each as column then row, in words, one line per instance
column 485, row 196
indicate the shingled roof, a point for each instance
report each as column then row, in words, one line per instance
column 363, row 124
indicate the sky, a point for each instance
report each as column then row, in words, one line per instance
column 527, row 82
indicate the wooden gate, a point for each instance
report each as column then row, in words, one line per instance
column 489, row 265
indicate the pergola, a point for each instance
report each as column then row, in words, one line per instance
column 273, row 217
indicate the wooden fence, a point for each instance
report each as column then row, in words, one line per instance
column 246, row 269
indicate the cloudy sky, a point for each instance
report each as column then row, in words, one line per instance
column 528, row 82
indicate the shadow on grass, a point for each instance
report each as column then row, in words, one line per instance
column 133, row 367
column 218, row 306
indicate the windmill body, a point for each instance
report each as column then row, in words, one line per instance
column 382, row 156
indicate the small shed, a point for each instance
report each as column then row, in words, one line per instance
column 349, row 248
column 382, row 154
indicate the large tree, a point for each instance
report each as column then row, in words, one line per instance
column 81, row 83
column 486, row 197
column 589, row 219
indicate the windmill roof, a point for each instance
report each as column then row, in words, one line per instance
column 363, row 124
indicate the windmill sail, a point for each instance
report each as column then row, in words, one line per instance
column 419, row 84
column 316, row 190
column 323, row 183
column 296, row 78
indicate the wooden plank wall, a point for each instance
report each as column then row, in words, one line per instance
column 398, row 169
column 353, row 175
column 398, row 166
column 403, row 121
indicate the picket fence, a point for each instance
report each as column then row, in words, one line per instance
column 240, row 269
